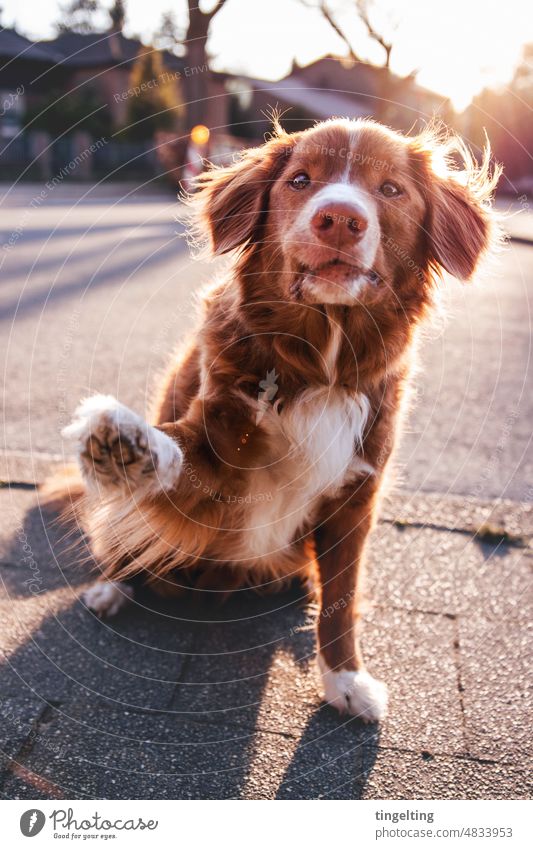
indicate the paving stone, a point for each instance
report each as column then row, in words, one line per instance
column 274, row 686
column 414, row 654
column 57, row 647
column 114, row 754
column 19, row 716
column 411, row 568
column 255, row 665
column 405, row 775
column 119, row 754
column 133, row 660
column 496, row 674
column 334, row 763
column 425, row 569
column 458, row 511
column 41, row 554
column 21, row 467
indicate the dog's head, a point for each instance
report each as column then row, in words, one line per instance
column 350, row 211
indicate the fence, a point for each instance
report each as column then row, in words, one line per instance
column 36, row 156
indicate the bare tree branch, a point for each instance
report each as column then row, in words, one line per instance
column 362, row 9
column 217, row 8
column 328, row 17
column 198, row 20
column 334, row 25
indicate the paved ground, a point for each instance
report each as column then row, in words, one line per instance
column 176, row 700
column 181, row 701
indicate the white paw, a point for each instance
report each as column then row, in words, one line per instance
column 116, row 447
column 356, row 693
column 106, row 598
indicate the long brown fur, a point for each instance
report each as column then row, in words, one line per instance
column 254, row 321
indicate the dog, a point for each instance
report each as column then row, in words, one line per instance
column 273, row 429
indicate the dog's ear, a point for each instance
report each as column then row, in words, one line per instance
column 458, row 229
column 460, row 224
column 230, row 203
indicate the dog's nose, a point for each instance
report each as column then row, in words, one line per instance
column 339, row 224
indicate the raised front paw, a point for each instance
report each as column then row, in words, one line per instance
column 116, row 448
column 355, row 693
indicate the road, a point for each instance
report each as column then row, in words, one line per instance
column 97, row 288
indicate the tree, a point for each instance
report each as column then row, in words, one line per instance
column 196, row 82
column 193, row 40
column 170, row 34
column 117, row 13
column 78, row 16
column 80, row 110
column 349, row 19
column 335, row 13
column 505, row 116
column 157, row 104
column 523, row 77
column 365, row 14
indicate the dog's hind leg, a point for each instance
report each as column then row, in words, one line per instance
column 106, row 598
column 118, row 451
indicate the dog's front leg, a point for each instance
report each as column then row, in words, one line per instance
column 119, row 452
column 128, row 463
column 340, row 541
column 121, row 456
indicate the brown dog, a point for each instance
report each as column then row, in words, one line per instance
column 273, row 431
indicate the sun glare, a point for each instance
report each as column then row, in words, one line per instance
column 456, row 48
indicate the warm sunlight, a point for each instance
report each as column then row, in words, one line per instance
column 458, row 48
column 266, row 480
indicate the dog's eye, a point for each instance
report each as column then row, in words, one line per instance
column 300, row 181
column 390, row 190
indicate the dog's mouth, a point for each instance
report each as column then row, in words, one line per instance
column 335, row 274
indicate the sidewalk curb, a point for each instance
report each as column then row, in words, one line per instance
column 521, row 240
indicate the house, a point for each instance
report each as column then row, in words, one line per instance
column 331, row 86
column 26, row 71
column 104, row 61
column 72, row 61
column 98, row 66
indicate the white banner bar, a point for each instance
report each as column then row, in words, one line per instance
column 357, row 824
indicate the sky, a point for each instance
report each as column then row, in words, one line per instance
column 457, row 47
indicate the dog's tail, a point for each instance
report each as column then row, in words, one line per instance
column 64, row 493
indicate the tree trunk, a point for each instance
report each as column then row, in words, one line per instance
column 197, row 74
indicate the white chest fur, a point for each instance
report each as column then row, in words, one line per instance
column 315, row 441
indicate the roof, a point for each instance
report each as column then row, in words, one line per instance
column 358, row 78
column 16, row 46
column 103, row 48
column 319, row 103
column 77, row 50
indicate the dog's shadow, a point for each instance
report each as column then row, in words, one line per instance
column 170, row 698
